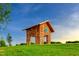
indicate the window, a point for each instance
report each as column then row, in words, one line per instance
column 46, row 29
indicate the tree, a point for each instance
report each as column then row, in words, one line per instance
column 5, row 11
column 2, row 43
column 9, row 39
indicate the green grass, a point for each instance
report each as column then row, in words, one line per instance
column 41, row 50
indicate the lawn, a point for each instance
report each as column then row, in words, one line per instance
column 41, row 50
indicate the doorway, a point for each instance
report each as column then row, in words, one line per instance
column 45, row 39
column 33, row 40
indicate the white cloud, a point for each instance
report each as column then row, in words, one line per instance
column 69, row 30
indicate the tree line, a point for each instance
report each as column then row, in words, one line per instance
column 67, row 42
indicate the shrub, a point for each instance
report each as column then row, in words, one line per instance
column 2, row 43
column 55, row 42
column 72, row 41
column 23, row 44
column 17, row 44
column 45, row 42
column 68, row 42
column 76, row 42
column 32, row 43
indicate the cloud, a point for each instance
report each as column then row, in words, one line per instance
column 69, row 29
column 29, row 8
column 36, row 8
column 73, row 35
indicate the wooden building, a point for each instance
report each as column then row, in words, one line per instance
column 41, row 32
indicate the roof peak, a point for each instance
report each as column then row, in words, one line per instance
column 38, row 24
column 44, row 21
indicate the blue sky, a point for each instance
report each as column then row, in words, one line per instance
column 64, row 18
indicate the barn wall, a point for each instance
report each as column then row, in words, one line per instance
column 33, row 32
column 43, row 34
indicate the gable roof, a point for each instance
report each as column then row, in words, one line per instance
column 48, row 23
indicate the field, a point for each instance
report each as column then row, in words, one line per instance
column 41, row 50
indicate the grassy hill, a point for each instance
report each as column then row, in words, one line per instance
column 41, row 50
